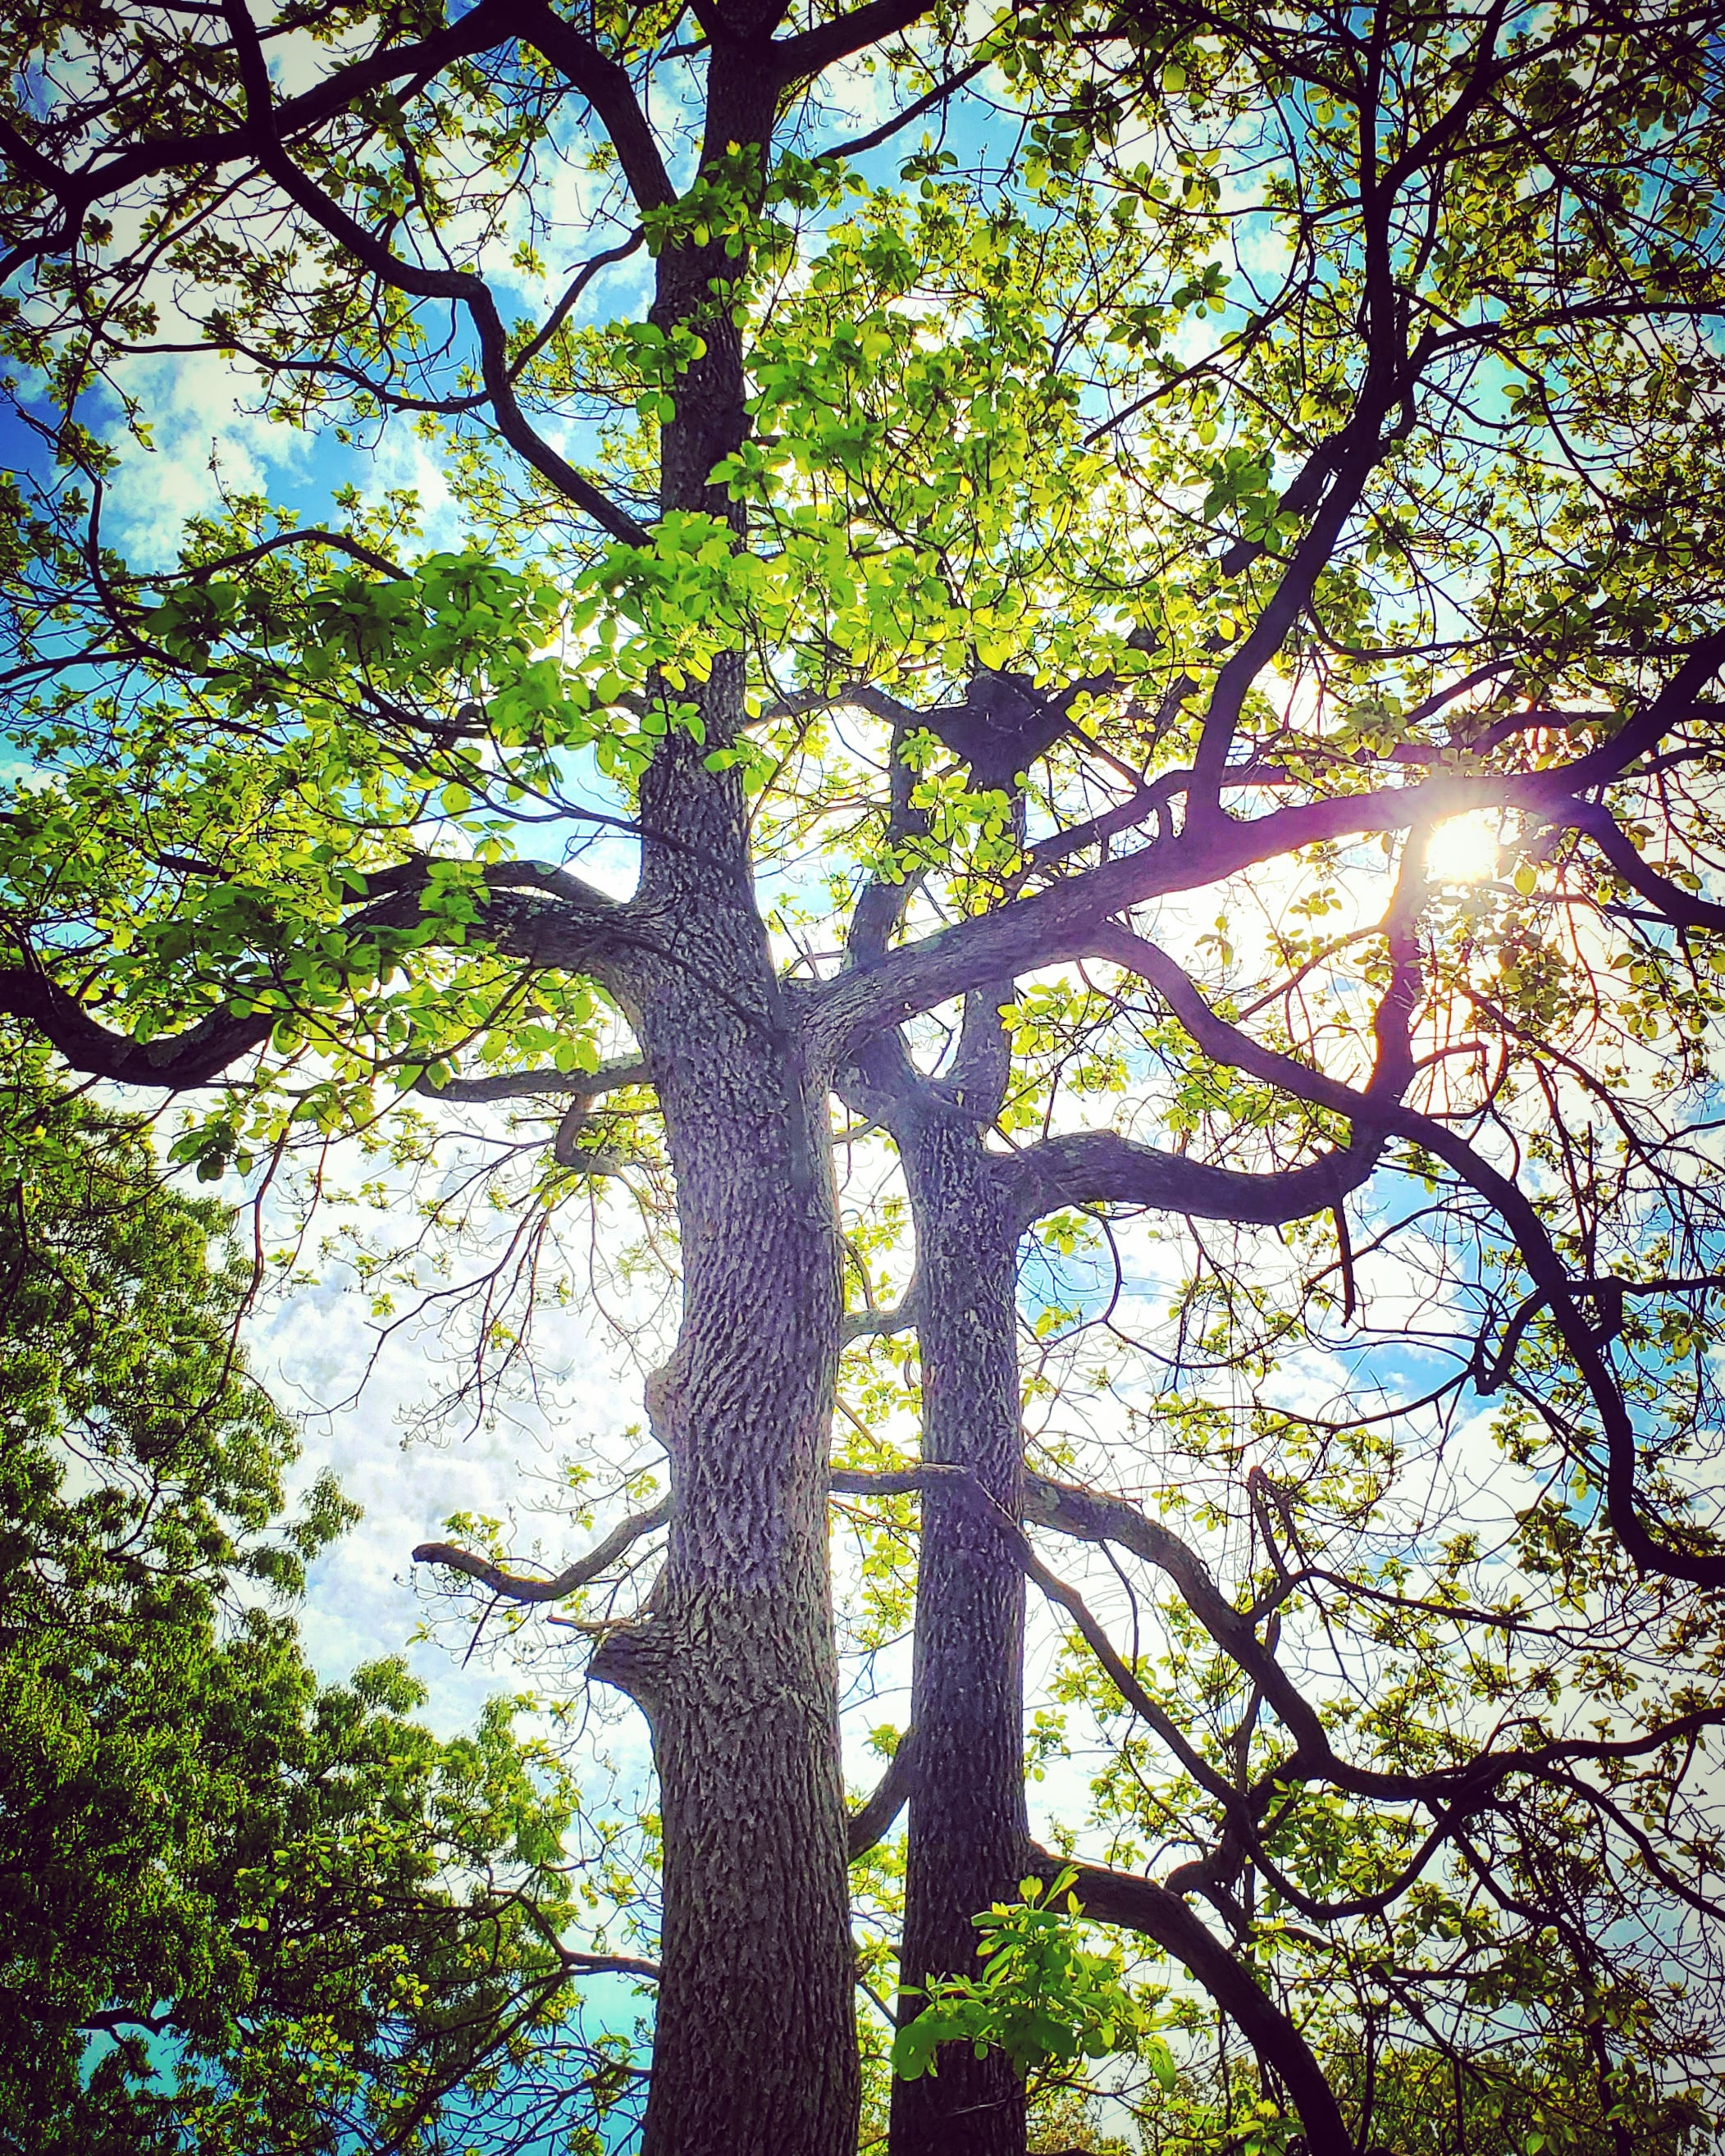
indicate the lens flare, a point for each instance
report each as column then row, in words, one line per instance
column 1463, row 848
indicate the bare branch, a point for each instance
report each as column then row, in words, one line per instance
column 1227, row 1044
column 872, row 1820
column 878, row 1324
column 888, row 128
column 600, row 1964
column 517, row 1586
column 1091, row 1516
column 1120, row 1673
column 889, row 1481
column 1357, row 454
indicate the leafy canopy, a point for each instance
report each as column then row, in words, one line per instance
column 246, row 1911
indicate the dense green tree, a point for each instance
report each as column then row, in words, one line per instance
column 244, row 1911
column 1029, row 610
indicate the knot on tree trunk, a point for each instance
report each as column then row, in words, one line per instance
column 636, row 1657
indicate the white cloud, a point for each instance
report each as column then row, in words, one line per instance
column 203, row 438
column 319, row 1351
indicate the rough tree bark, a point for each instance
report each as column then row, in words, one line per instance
column 967, row 1830
column 734, row 1665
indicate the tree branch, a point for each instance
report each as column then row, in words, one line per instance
column 517, row 1586
column 872, row 1820
column 1683, row 909
column 601, row 1964
column 339, row 543
column 1355, row 456
column 877, row 1324
column 1091, row 1516
column 795, row 60
column 1644, row 731
column 1096, row 1168
column 571, row 930
column 1227, row 1044
column 1216, row 1785
column 462, row 286
column 176, row 1061
column 882, row 990
column 1092, row 1167
column 1140, row 1905
column 878, row 988
column 484, row 26
column 529, row 1084
column 888, row 128
column 514, row 1587
column 605, row 85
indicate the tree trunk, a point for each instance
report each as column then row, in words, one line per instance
column 968, row 1830
column 755, row 2048
column 734, row 1665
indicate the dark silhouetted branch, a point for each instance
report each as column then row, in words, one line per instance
column 872, row 1820
column 516, row 1587
column 1141, row 1906
column 1226, row 1044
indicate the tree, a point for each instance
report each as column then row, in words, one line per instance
column 1281, row 435
column 245, row 1910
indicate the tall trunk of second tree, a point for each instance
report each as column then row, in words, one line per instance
column 968, row 1826
column 734, row 1664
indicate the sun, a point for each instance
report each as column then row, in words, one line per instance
column 1464, row 849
